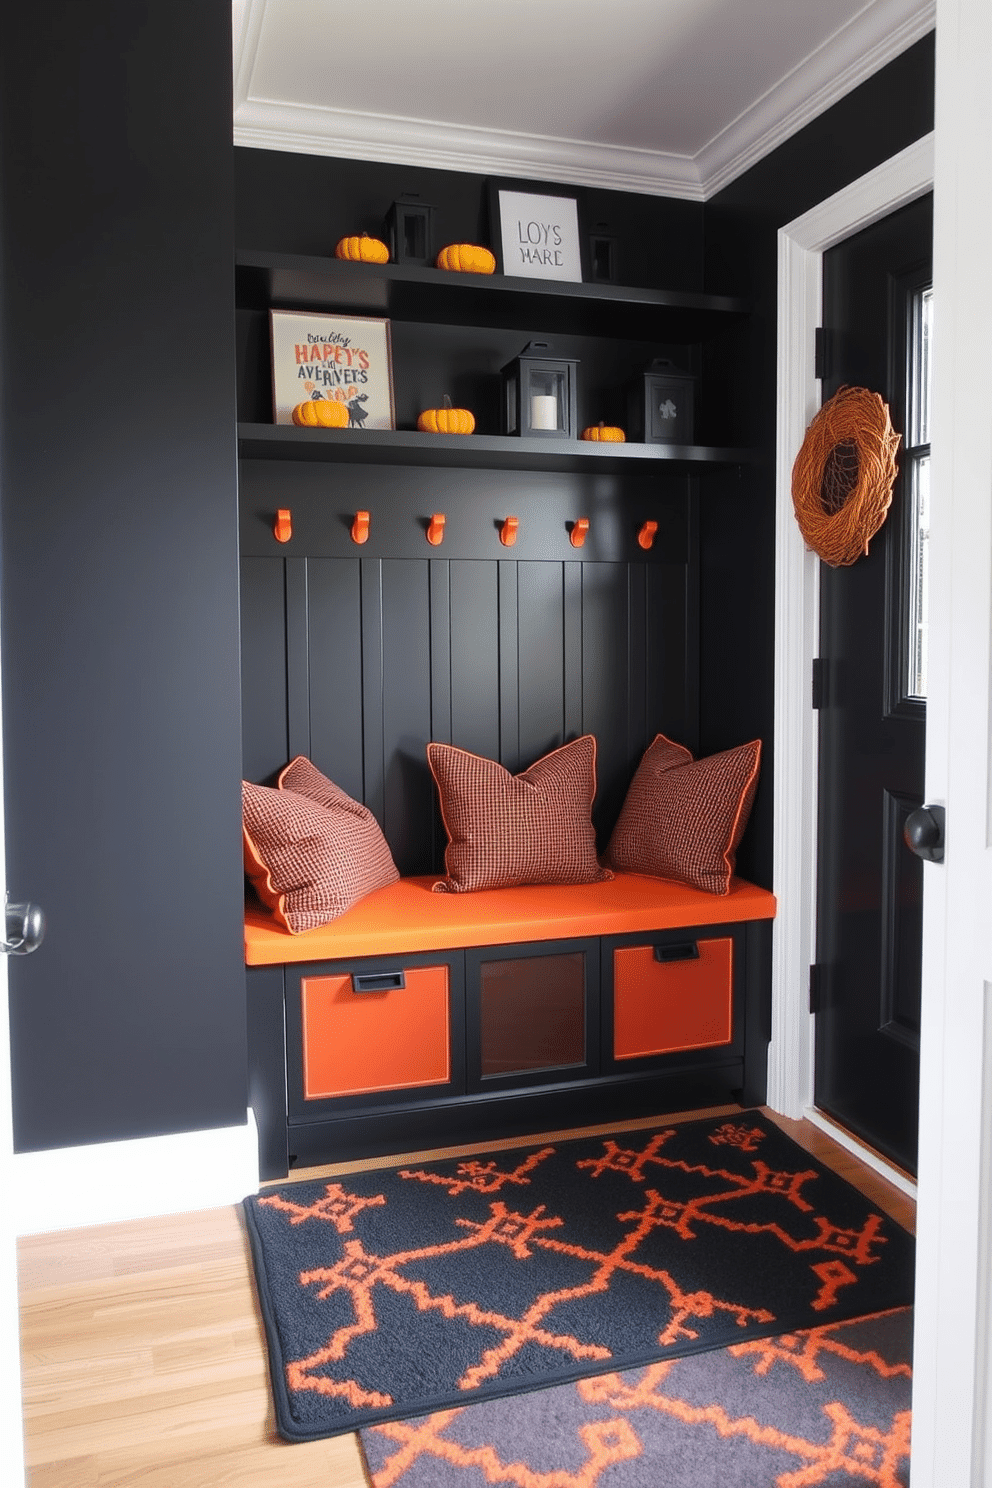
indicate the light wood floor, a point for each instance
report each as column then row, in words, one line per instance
column 144, row 1359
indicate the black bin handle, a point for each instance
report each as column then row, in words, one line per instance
column 378, row 981
column 679, row 950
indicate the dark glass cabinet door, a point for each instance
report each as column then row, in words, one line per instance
column 532, row 1014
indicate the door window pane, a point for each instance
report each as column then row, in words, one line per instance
column 917, row 485
column 919, row 569
column 921, row 322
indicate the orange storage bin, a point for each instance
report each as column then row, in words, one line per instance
column 664, row 1006
column 365, row 1033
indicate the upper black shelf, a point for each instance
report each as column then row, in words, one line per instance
column 285, row 281
column 467, row 451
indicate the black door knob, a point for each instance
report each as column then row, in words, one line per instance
column 923, row 833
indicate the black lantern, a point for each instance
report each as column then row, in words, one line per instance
column 410, row 229
column 661, row 404
column 539, row 395
column 602, row 255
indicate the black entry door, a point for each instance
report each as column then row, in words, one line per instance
column 872, row 719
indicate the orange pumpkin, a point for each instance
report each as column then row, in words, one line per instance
column 466, row 258
column 607, row 433
column 362, row 250
column 446, row 420
column 321, row 413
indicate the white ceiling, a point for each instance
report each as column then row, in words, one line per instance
column 672, row 97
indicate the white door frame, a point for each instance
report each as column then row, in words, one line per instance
column 952, row 1363
column 801, row 245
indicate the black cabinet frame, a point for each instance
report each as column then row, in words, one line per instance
column 297, row 1133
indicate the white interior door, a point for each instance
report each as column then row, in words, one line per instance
column 952, row 1400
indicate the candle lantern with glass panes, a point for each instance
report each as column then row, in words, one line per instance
column 539, row 394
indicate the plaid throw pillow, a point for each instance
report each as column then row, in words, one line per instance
column 503, row 829
column 310, row 850
column 684, row 819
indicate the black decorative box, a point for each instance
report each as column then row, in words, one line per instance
column 662, row 405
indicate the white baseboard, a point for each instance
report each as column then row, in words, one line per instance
column 110, row 1182
column 867, row 1155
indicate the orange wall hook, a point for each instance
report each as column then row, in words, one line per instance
column 508, row 531
column 283, row 525
column 577, row 536
column 646, row 535
column 435, row 530
column 360, row 527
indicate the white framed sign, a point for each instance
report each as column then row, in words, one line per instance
column 539, row 236
column 342, row 357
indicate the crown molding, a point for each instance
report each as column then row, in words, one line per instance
column 882, row 30
column 268, row 125
column 876, row 36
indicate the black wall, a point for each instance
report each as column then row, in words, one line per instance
column 737, row 524
column 120, row 600
column 291, row 203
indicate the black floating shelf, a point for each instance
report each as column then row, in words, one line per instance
column 468, row 451
column 402, row 292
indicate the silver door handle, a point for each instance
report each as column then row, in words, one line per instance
column 24, row 929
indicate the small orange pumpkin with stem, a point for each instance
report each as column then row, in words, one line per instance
column 606, row 433
column 363, row 249
column 446, row 420
column 321, row 413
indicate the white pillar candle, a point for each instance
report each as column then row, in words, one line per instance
column 543, row 411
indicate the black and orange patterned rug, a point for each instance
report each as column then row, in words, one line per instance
column 828, row 1408
column 396, row 1292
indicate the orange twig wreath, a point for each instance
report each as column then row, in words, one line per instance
column 843, row 476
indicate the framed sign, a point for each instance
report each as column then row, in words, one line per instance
column 539, row 235
column 345, row 357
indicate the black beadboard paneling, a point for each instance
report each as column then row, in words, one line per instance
column 408, row 812
column 506, row 657
column 606, row 683
column 264, row 696
column 540, row 668
column 475, row 656
column 334, row 630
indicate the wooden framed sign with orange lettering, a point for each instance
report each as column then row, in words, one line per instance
column 343, row 357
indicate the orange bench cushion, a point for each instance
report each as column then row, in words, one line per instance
column 406, row 917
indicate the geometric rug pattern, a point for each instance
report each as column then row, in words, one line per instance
column 826, row 1407
column 398, row 1292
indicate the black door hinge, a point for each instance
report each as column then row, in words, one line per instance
column 821, row 353
column 816, row 987
column 819, row 687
